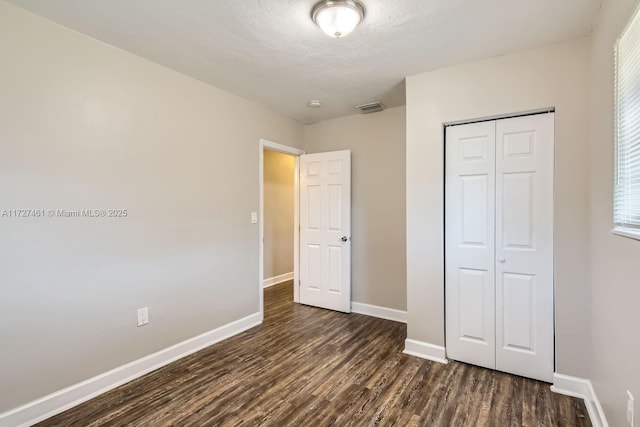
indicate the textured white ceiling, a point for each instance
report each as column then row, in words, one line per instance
column 271, row 52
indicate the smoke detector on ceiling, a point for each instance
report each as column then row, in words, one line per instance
column 371, row 107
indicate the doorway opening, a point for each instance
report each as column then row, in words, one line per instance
column 321, row 225
column 278, row 179
column 279, row 218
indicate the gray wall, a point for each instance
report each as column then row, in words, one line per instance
column 86, row 125
column 552, row 76
column 377, row 144
column 615, row 279
column 278, row 213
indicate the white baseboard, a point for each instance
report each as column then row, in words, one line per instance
column 377, row 311
column 59, row 401
column 582, row 388
column 277, row 279
column 425, row 350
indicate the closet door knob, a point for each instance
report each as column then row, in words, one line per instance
column 502, row 260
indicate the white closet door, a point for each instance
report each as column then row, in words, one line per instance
column 524, row 246
column 469, row 243
column 499, row 244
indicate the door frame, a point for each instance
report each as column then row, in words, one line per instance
column 265, row 144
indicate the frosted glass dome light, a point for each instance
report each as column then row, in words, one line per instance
column 338, row 18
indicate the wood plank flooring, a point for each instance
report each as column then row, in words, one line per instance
column 311, row 367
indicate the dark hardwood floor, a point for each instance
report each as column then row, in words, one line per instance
column 311, row 367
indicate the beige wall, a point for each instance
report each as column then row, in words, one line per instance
column 614, row 259
column 553, row 76
column 86, row 125
column 377, row 144
column 278, row 213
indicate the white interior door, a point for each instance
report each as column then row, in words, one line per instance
column 325, row 230
column 524, row 246
column 469, row 243
column 499, row 244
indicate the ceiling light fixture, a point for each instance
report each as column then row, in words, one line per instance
column 338, row 18
column 314, row 103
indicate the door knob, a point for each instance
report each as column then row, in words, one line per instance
column 344, row 238
column 501, row 260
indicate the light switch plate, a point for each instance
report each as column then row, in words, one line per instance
column 143, row 316
column 254, row 217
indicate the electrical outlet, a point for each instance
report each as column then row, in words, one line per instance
column 630, row 414
column 143, row 316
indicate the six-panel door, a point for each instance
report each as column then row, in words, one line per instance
column 325, row 230
column 469, row 243
column 524, row 246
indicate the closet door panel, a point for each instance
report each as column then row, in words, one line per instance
column 524, row 246
column 470, row 243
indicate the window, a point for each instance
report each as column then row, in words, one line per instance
column 626, row 209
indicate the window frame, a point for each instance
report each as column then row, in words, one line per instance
column 621, row 228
